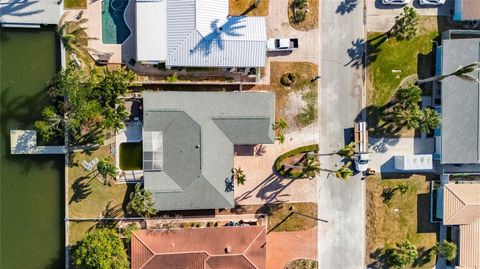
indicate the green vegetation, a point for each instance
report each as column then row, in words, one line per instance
column 101, row 249
column 404, row 111
column 75, row 4
column 405, row 27
column 462, row 72
column 302, row 264
column 288, row 79
column 239, row 175
column 87, row 195
column 403, row 254
column 344, row 172
column 280, row 217
column 141, row 202
column 128, row 230
column 391, row 60
column 85, row 105
column 404, row 218
column 347, row 151
column 280, row 165
column 280, row 126
column 309, row 114
column 446, row 249
column 131, row 156
column 73, row 35
column 107, row 169
column 303, row 14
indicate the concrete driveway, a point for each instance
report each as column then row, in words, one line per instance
column 384, row 149
column 381, row 17
column 342, row 97
column 262, row 185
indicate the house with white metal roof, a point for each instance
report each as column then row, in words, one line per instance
column 198, row 33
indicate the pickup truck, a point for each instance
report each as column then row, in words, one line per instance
column 282, row 44
column 361, row 157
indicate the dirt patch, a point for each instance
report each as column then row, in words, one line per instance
column 311, row 19
column 247, row 8
column 288, row 99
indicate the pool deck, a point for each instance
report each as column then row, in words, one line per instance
column 25, row 142
column 120, row 53
column 30, row 13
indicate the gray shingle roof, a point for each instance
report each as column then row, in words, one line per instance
column 198, row 131
column 460, row 104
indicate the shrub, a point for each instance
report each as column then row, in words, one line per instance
column 288, row 79
column 300, row 4
column 278, row 162
column 172, row 78
column 300, row 15
column 404, row 254
column 446, row 249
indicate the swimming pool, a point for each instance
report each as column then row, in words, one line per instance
column 114, row 28
column 131, row 156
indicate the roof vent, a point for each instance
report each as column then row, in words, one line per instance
column 228, row 250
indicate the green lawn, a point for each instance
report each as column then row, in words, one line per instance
column 88, row 197
column 396, row 60
column 74, row 4
column 403, row 217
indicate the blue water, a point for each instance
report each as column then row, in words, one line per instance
column 114, row 28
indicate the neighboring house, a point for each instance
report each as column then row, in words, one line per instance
column 188, row 140
column 461, row 213
column 30, row 13
column 222, row 247
column 457, row 144
column 198, row 33
column 466, row 10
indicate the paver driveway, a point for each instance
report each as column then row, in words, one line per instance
column 283, row 247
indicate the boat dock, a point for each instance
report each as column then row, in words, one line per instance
column 25, row 142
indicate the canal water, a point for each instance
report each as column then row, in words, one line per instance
column 31, row 187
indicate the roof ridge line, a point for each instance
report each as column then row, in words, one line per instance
column 180, row 44
column 143, row 243
column 251, row 243
column 213, row 187
column 461, row 201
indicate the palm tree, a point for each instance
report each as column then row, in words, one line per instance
column 409, row 96
column 462, row 72
column 344, row 172
column 403, row 188
column 281, row 125
column 410, row 117
column 347, row 151
column 405, row 26
column 311, row 168
column 431, row 120
column 72, row 35
column 239, row 175
column 141, row 202
column 107, row 169
column 281, row 138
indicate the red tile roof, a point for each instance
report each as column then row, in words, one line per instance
column 202, row 248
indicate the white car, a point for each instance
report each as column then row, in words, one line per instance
column 432, row 2
column 395, row 2
column 361, row 162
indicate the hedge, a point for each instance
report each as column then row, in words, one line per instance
column 278, row 162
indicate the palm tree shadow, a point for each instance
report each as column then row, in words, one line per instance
column 19, row 8
column 218, row 34
column 81, row 189
column 346, row 6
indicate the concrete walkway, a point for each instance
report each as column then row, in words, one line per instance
column 380, row 17
column 384, row 149
column 262, row 185
column 283, row 247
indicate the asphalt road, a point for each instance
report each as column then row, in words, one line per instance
column 341, row 241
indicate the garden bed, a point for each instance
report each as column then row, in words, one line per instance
column 75, row 4
column 310, row 12
column 294, row 157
